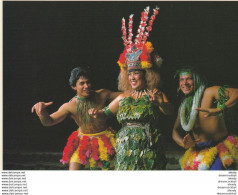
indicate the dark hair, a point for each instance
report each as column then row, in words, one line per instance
column 76, row 73
column 198, row 78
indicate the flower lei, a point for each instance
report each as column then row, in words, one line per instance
column 203, row 159
column 187, row 126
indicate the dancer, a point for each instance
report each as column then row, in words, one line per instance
column 210, row 146
column 92, row 144
column 138, row 142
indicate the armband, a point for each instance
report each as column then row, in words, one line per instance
column 108, row 113
column 223, row 108
column 222, row 99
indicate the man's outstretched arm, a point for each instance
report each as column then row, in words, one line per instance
column 54, row 118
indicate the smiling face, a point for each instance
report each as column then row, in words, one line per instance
column 83, row 87
column 136, row 79
column 186, row 84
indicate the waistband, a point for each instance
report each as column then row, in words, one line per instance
column 145, row 126
column 92, row 134
column 210, row 143
column 138, row 124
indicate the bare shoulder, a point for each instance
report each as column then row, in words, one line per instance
column 211, row 91
column 68, row 106
column 122, row 96
column 103, row 92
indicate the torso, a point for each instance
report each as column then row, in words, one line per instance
column 94, row 125
column 138, row 141
column 212, row 127
column 136, row 110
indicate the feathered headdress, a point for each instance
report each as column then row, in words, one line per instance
column 137, row 55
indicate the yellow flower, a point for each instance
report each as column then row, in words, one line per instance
column 192, row 158
column 102, row 150
column 209, row 156
column 145, row 65
column 112, row 138
column 185, row 158
column 92, row 162
column 149, row 47
column 122, row 66
column 233, row 150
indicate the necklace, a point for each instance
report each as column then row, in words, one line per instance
column 187, row 126
column 83, row 105
column 139, row 93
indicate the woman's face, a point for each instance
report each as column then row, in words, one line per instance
column 136, row 79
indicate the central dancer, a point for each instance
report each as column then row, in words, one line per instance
column 138, row 142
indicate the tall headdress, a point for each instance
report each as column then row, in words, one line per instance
column 136, row 55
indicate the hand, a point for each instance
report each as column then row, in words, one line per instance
column 40, row 107
column 209, row 111
column 94, row 113
column 189, row 142
column 156, row 94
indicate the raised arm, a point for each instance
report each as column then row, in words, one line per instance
column 113, row 95
column 54, row 118
column 232, row 94
column 212, row 93
column 164, row 105
column 112, row 108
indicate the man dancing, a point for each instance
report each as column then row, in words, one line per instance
column 209, row 144
column 92, row 144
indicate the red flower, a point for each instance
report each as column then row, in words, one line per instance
column 222, row 149
column 156, row 12
column 195, row 165
column 233, row 140
column 71, row 146
column 186, row 167
column 85, row 149
column 108, row 145
column 99, row 164
column 95, row 151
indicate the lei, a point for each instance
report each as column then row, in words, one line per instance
column 187, row 126
column 83, row 105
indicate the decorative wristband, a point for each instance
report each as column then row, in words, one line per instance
column 223, row 108
column 108, row 113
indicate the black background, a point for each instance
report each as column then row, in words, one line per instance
column 44, row 41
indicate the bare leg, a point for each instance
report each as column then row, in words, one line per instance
column 75, row 166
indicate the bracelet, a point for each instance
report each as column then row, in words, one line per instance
column 108, row 113
column 223, row 109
